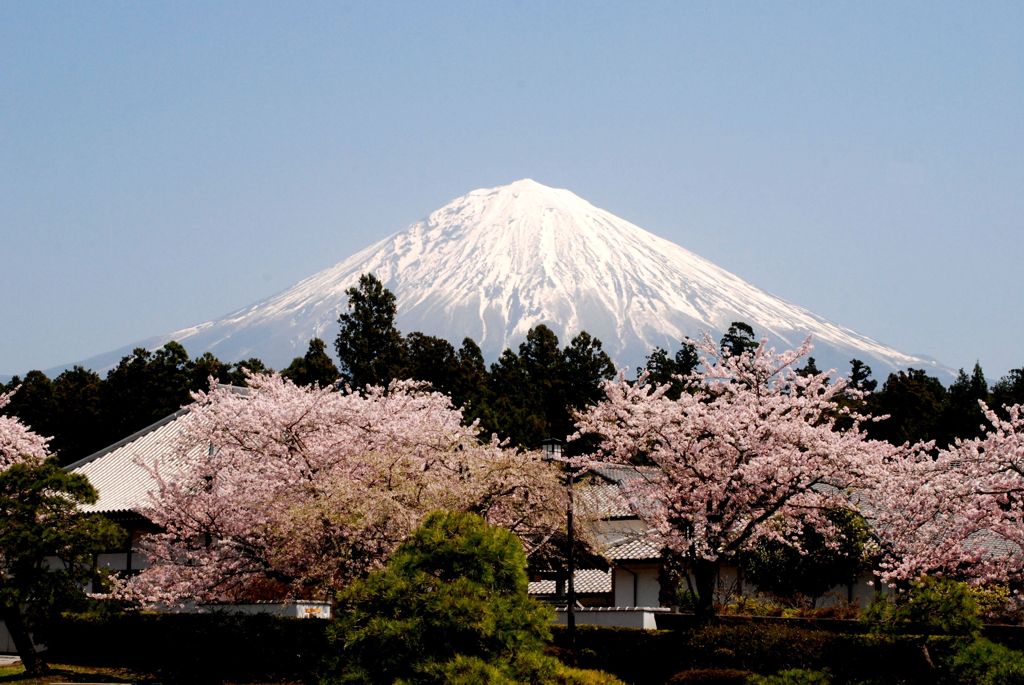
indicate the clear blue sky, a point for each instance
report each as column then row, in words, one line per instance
column 164, row 163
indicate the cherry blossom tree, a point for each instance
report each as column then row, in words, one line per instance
column 751, row 451
column 298, row 490
column 17, row 441
column 958, row 511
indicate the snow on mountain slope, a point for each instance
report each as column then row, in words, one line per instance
column 494, row 263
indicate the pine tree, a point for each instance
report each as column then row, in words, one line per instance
column 313, row 368
column 452, row 600
column 738, row 339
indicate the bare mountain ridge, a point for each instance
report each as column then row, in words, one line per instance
column 496, row 262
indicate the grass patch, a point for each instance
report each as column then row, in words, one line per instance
column 69, row 673
column 72, row 673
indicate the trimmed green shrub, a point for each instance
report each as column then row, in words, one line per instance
column 792, row 676
column 983, row 662
column 450, row 606
column 934, row 606
column 710, row 676
column 751, row 646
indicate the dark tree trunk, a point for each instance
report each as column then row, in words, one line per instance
column 31, row 659
column 705, row 574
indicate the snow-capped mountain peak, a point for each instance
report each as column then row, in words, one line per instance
column 496, row 262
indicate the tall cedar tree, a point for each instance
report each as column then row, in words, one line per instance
column 468, row 386
column 1008, row 391
column 963, row 416
column 77, row 430
column 145, row 387
column 84, row 413
column 432, row 360
column 369, row 347
column 537, row 391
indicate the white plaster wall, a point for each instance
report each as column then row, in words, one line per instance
column 636, row 585
column 615, row 619
column 6, row 643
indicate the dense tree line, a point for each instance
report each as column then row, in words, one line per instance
column 83, row 412
column 528, row 394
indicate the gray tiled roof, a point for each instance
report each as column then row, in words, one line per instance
column 116, row 472
column 604, row 491
column 585, row 581
column 640, row 548
column 603, row 501
column 630, row 544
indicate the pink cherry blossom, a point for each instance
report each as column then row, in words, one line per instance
column 17, row 441
column 285, row 490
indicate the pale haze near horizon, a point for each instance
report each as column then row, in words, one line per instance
column 162, row 165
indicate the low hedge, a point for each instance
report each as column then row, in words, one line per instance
column 650, row 657
column 211, row 648
column 194, row 648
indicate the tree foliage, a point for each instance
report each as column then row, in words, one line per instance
column 913, row 403
column 738, row 340
column 957, row 510
column 962, row 415
column 816, row 563
column 85, row 413
column 660, row 369
column 536, row 392
column 1009, row 390
column 46, row 544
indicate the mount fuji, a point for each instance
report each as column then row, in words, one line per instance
column 496, row 262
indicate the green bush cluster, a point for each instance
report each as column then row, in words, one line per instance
column 772, row 646
column 947, row 616
column 451, row 606
column 710, row 676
